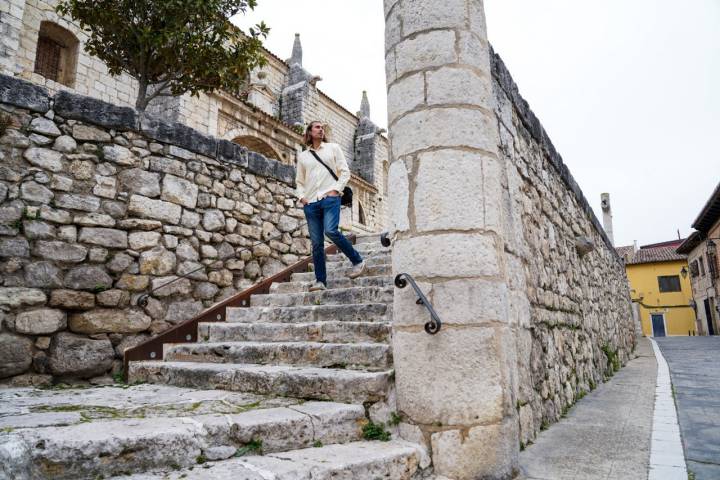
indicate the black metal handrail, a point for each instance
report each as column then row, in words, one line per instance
column 433, row 326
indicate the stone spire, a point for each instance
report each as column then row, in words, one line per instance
column 364, row 106
column 296, row 56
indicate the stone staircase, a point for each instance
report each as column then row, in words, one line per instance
column 303, row 372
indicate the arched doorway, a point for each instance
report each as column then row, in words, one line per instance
column 257, row 145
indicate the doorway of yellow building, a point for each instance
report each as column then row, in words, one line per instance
column 658, row 324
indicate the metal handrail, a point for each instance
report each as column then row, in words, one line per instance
column 434, row 325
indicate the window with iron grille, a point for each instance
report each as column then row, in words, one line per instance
column 694, row 270
column 47, row 58
column 702, row 266
column 56, row 53
column 669, row 283
column 712, row 265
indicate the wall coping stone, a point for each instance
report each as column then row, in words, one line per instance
column 533, row 125
column 79, row 107
column 21, row 93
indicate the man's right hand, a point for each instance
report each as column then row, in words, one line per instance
column 304, row 201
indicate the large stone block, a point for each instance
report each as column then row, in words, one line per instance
column 137, row 180
column 60, row 251
column 14, row 247
column 43, row 321
column 109, row 320
column 77, row 201
column 44, row 126
column 180, row 191
column 43, row 275
column 488, row 452
column 88, row 278
column 172, row 285
column 213, row 220
column 143, row 240
column 179, row 135
column 443, row 127
column 448, row 192
column 405, row 95
column 15, row 354
column 453, row 85
column 157, row 261
column 455, row 377
column 183, row 310
column 87, row 133
column 72, row 299
column 120, row 155
column 92, row 110
column 35, row 193
column 447, row 255
column 105, row 237
column 75, row 356
column 422, row 15
column 426, row 50
column 44, row 158
column 155, row 209
column 399, row 194
column 23, row 94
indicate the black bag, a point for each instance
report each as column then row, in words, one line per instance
column 347, row 193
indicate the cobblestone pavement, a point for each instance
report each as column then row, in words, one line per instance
column 695, row 371
column 606, row 435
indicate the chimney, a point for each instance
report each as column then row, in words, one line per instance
column 607, row 216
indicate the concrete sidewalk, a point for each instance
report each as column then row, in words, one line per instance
column 606, row 435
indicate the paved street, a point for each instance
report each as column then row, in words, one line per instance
column 695, row 370
column 606, row 435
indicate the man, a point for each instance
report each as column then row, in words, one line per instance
column 319, row 194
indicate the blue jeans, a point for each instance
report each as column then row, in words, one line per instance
column 323, row 217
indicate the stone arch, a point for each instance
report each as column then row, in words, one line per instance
column 258, row 145
column 56, row 53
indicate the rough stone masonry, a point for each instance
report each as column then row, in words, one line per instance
column 489, row 221
column 99, row 205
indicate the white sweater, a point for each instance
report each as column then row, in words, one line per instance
column 313, row 180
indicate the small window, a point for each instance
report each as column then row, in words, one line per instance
column 712, row 265
column 56, row 53
column 702, row 266
column 669, row 283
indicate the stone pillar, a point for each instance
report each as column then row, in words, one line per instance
column 607, row 216
column 11, row 15
column 455, row 389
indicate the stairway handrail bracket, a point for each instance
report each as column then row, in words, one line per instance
column 433, row 326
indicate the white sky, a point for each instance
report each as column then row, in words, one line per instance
column 628, row 91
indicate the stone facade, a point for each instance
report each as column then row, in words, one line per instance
column 99, row 205
column 281, row 99
column 488, row 220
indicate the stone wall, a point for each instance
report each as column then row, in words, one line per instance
column 99, row 205
column 573, row 311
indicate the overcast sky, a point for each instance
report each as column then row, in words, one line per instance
column 628, row 91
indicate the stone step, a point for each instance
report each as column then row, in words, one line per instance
column 372, row 238
column 342, row 263
column 330, row 332
column 338, row 385
column 112, row 447
column 296, row 287
column 334, row 296
column 393, row 460
column 369, row 356
column 369, row 255
column 341, row 273
column 364, row 312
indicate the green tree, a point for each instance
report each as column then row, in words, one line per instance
column 171, row 46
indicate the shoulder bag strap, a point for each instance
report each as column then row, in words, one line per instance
column 324, row 164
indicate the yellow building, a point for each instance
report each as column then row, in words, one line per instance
column 660, row 288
